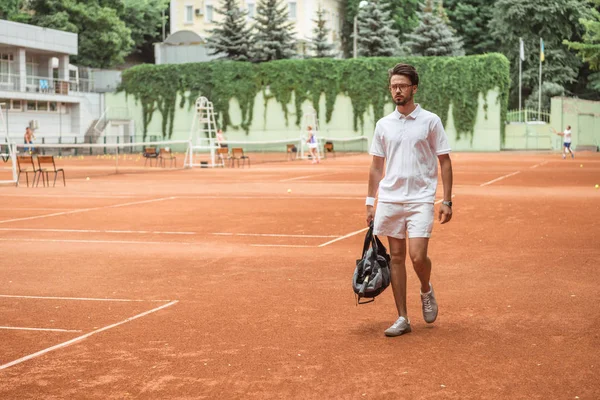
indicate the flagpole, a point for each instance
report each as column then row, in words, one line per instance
column 520, row 77
column 540, row 80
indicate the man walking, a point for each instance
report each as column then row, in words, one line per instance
column 409, row 142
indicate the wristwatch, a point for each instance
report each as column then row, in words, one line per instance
column 447, row 203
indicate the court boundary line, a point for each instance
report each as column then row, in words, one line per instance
column 16, row 328
column 90, row 241
column 272, row 235
column 11, row 296
column 87, row 209
column 500, row 178
column 92, row 231
column 306, row 176
column 82, row 337
column 539, row 165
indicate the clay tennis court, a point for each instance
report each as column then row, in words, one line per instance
column 219, row 284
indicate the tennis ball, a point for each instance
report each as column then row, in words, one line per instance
column 87, row 178
column 290, row 190
column 596, row 186
column 580, row 165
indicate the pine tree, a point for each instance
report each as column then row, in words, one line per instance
column 231, row 38
column 433, row 36
column 376, row 37
column 274, row 38
column 320, row 45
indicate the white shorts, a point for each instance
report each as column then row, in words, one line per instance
column 313, row 145
column 396, row 219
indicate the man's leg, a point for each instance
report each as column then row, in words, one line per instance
column 422, row 266
column 398, row 273
column 421, row 263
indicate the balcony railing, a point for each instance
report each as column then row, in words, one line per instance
column 527, row 116
column 46, row 85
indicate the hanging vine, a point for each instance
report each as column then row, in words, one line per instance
column 444, row 81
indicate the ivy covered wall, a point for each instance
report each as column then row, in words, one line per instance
column 455, row 88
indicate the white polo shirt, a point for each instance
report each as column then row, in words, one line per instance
column 410, row 144
column 567, row 136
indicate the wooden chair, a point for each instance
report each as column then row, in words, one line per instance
column 292, row 152
column 222, row 155
column 167, row 155
column 25, row 164
column 46, row 165
column 237, row 153
column 328, row 148
column 150, row 153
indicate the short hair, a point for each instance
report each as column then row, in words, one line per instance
column 407, row 70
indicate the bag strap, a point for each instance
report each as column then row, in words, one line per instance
column 368, row 241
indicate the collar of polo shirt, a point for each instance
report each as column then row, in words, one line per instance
column 412, row 115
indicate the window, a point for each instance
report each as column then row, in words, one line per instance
column 31, row 105
column 52, row 106
column 292, row 10
column 189, row 14
column 250, row 10
column 209, row 13
column 6, row 67
column 42, row 106
column 32, row 69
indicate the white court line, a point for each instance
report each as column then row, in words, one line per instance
column 499, row 179
column 15, row 328
column 89, row 241
column 303, row 177
column 343, row 237
column 10, row 296
column 280, row 245
column 539, row 165
column 274, row 235
column 93, row 231
column 86, row 209
column 287, row 197
column 35, row 209
column 79, row 338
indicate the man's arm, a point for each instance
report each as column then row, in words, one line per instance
column 375, row 176
column 445, row 214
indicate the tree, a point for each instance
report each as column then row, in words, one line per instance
column 274, row 38
column 552, row 20
column 589, row 48
column 470, row 20
column 376, row 37
column 104, row 40
column 14, row 10
column 144, row 19
column 433, row 36
column 231, row 38
column 402, row 12
column 320, row 45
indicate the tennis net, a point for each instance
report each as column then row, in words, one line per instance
column 82, row 160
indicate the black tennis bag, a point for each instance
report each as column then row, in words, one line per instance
column 372, row 273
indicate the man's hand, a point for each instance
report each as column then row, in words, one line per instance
column 370, row 214
column 445, row 214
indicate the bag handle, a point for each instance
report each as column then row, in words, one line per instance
column 368, row 240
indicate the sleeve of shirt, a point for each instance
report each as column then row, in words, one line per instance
column 438, row 139
column 377, row 148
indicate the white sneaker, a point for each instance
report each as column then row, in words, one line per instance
column 400, row 327
column 430, row 307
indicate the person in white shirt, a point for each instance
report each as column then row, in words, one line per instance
column 407, row 145
column 566, row 142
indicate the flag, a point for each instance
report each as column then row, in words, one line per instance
column 521, row 49
column 542, row 58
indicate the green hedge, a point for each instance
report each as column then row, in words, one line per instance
column 443, row 81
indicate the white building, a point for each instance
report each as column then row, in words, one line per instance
column 37, row 83
column 199, row 16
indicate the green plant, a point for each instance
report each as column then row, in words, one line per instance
column 443, row 81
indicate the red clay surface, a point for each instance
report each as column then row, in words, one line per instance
column 265, row 307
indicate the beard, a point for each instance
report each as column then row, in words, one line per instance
column 403, row 101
